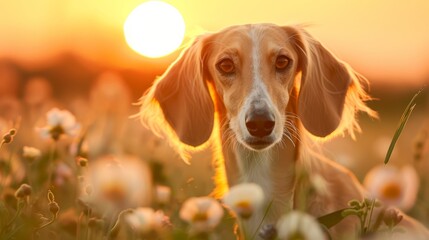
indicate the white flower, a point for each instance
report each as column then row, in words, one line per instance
column 118, row 183
column 161, row 221
column 299, row 225
column 393, row 186
column 59, row 122
column 163, row 194
column 202, row 213
column 31, row 153
column 145, row 221
column 244, row 199
column 141, row 220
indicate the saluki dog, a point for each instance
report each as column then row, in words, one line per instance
column 264, row 95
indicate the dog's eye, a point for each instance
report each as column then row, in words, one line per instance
column 282, row 62
column 226, row 66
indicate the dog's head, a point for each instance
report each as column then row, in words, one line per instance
column 254, row 70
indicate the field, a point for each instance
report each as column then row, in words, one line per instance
column 87, row 166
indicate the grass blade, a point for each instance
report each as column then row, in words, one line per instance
column 332, row 219
column 405, row 116
column 262, row 220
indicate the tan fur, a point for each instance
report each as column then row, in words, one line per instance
column 316, row 97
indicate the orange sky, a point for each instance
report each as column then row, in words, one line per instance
column 384, row 39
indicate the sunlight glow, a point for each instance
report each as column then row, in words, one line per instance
column 154, row 29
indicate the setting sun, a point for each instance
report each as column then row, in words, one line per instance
column 154, row 29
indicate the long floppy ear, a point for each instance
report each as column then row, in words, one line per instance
column 325, row 81
column 184, row 97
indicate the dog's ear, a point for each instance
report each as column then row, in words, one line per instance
column 325, row 81
column 184, row 97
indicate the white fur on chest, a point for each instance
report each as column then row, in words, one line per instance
column 255, row 167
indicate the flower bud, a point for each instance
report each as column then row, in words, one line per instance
column 54, row 208
column 82, row 162
column 31, row 153
column 163, row 194
column 7, row 138
column 392, row 217
column 12, row 132
column 23, row 191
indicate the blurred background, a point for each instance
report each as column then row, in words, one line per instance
column 72, row 54
column 64, row 47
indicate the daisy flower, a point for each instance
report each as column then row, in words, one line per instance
column 202, row 213
column 118, row 183
column 244, row 199
column 299, row 225
column 141, row 220
column 393, row 186
column 31, row 153
column 59, row 122
column 162, row 194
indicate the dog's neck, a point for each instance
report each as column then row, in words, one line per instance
column 272, row 169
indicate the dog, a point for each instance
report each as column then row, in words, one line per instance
column 263, row 95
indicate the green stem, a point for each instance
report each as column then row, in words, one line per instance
column 46, row 186
column 362, row 225
column 87, row 225
column 370, row 213
column 9, row 160
column 79, row 226
column 51, row 163
column 54, row 217
column 46, row 224
column 29, row 176
column 116, row 226
column 263, row 218
column 243, row 230
column 17, row 213
column 363, row 219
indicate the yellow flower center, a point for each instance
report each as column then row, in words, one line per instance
column 391, row 190
column 200, row 217
column 297, row 236
column 114, row 192
column 56, row 132
column 244, row 209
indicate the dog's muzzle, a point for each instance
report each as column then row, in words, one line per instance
column 260, row 123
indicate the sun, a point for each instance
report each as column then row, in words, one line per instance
column 154, row 29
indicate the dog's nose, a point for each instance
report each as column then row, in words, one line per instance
column 260, row 123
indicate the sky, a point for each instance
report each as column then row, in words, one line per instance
column 386, row 40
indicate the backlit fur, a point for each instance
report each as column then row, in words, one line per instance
column 315, row 97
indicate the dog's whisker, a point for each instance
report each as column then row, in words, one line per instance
column 292, row 115
column 291, row 132
column 289, row 138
